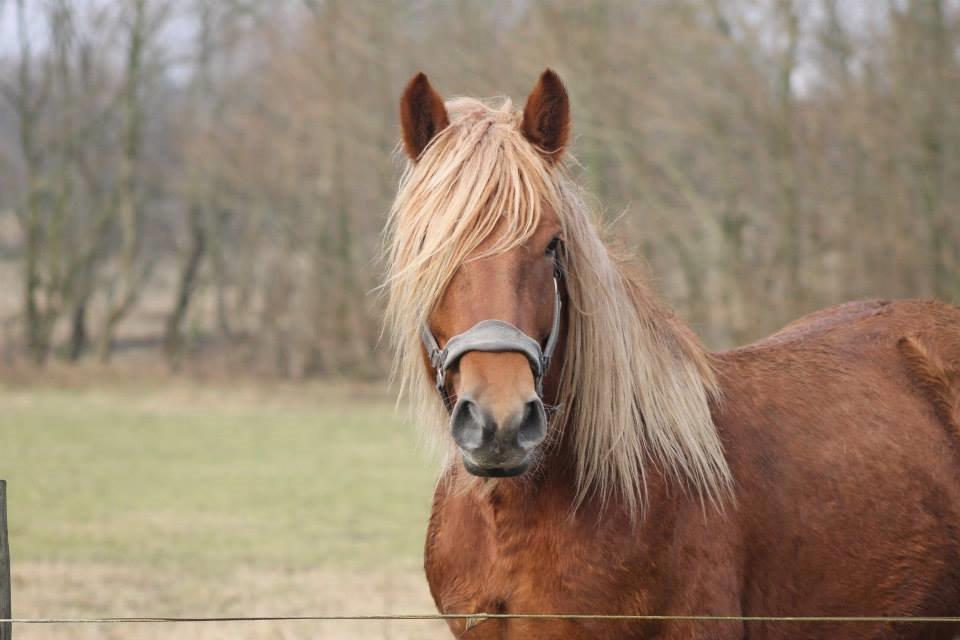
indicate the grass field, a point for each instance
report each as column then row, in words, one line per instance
column 182, row 499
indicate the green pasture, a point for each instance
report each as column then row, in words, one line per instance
column 212, row 477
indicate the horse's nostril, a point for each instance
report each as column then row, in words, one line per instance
column 471, row 426
column 533, row 425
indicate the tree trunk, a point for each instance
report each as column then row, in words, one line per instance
column 132, row 275
column 78, row 330
column 933, row 134
column 38, row 344
column 784, row 158
column 38, row 316
column 186, row 285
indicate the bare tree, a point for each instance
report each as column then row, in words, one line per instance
column 131, row 270
column 765, row 158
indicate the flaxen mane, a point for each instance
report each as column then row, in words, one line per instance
column 636, row 385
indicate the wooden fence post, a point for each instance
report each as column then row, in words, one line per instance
column 6, row 628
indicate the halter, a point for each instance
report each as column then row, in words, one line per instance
column 494, row 336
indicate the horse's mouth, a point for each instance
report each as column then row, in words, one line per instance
column 495, row 472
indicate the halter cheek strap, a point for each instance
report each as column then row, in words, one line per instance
column 493, row 336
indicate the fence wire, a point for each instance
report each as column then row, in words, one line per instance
column 477, row 617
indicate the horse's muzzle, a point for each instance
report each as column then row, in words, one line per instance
column 497, row 450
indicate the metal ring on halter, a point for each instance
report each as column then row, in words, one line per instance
column 494, row 336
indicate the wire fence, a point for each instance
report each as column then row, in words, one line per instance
column 494, row 616
column 6, row 619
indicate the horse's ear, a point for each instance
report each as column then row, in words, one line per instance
column 422, row 115
column 546, row 117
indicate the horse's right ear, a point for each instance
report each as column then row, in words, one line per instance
column 422, row 115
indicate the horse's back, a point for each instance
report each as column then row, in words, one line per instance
column 914, row 343
column 841, row 431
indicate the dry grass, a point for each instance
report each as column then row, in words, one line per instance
column 84, row 589
column 148, row 496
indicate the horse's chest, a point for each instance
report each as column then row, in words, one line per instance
column 493, row 569
column 480, row 560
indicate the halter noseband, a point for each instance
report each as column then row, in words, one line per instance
column 494, row 336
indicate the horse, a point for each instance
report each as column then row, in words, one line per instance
column 598, row 459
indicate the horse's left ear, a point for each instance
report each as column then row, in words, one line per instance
column 546, row 116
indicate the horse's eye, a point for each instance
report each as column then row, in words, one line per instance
column 553, row 247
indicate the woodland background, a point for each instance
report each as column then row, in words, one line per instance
column 193, row 416
column 203, row 183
